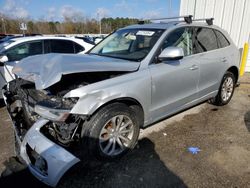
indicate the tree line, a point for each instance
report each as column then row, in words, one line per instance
column 84, row 26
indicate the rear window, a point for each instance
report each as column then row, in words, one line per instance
column 62, row 46
column 223, row 42
column 78, row 48
column 205, row 40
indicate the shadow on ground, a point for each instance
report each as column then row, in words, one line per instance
column 247, row 120
column 2, row 104
column 17, row 174
column 140, row 168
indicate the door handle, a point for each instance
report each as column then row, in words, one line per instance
column 193, row 67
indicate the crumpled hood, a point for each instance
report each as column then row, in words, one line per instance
column 46, row 70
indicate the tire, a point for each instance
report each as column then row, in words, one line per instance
column 105, row 137
column 226, row 90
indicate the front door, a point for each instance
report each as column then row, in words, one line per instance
column 174, row 82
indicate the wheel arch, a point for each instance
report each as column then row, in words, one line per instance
column 131, row 103
column 235, row 71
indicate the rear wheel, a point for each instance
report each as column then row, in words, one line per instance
column 226, row 90
column 112, row 131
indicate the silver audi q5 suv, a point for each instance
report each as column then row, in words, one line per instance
column 65, row 107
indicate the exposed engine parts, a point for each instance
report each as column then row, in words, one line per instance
column 23, row 98
column 64, row 133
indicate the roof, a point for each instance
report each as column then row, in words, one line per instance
column 24, row 39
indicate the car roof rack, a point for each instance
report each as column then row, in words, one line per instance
column 187, row 18
column 209, row 21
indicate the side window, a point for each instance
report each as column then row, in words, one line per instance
column 182, row 38
column 205, row 40
column 78, row 48
column 223, row 42
column 24, row 50
column 62, row 46
column 47, row 46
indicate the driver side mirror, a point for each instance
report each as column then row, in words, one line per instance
column 3, row 59
column 171, row 53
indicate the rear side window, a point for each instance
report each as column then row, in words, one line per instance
column 24, row 50
column 61, row 46
column 78, row 48
column 205, row 40
column 223, row 42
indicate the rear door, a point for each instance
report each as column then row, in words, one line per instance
column 211, row 60
column 175, row 82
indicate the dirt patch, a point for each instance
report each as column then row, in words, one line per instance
column 234, row 160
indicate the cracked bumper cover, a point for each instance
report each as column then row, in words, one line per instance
column 57, row 158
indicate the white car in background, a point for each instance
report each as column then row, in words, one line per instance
column 13, row 50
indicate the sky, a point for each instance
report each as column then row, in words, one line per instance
column 58, row 10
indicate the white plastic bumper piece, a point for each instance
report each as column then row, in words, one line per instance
column 57, row 158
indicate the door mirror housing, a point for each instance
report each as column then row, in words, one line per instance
column 171, row 53
column 3, row 59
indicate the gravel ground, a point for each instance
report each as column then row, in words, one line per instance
column 161, row 158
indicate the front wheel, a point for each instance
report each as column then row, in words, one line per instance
column 112, row 131
column 226, row 90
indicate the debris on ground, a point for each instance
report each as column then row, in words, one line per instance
column 194, row 150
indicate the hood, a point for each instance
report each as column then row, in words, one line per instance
column 46, row 70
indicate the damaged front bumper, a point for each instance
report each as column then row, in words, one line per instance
column 46, row 160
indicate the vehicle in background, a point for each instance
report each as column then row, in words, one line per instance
column 4, row 35
column 98, row 39
column 32, row 34
column 87, row 39
column 95, row 104
column 15, row 49
column 5, row 39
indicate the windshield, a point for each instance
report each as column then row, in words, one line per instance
column 129, row 44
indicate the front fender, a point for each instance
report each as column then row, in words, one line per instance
column 88, row 104
column 135, row 85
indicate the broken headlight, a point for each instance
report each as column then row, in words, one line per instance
column 55, row 110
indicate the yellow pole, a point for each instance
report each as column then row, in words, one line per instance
column 244, row 59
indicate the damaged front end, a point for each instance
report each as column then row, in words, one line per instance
column 47, row 131
column 41, row 129
column 26, row 105
column 44, row 123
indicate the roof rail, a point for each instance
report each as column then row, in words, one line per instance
column 208, row 20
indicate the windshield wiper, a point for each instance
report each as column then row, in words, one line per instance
column 114, row 57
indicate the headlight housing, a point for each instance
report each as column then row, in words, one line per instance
column 55, row 110
column 52, row 114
